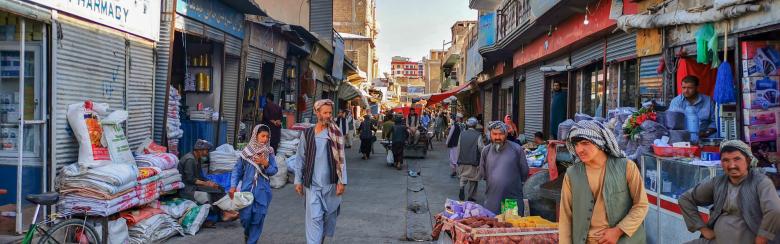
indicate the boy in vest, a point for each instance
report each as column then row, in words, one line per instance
column 745, row 206
column 603, row 198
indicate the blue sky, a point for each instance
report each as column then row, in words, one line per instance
column 411, row 28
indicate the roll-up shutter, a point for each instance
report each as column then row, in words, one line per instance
column 188, row 25
column 321, row 18
column 507, row 82
column 648, row 67
column 487, row 99
column 587, row 54
column 230, row 94
column 232, row 45
column 90, row 64
column 214, row 34
column 278, row 68
column 254, row 62
column 140, row 92
column 621, row 46
column 161, row 70
column 534, row 101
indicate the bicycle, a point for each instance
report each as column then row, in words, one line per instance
column 64, row 229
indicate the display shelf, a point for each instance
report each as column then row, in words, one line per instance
column 674, row 176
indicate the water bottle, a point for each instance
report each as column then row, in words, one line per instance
column 692, row 123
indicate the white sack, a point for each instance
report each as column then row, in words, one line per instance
column 88, row 132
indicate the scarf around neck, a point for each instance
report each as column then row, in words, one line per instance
column 336, row 138
column 256, row 148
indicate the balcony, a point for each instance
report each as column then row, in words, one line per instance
column 487, row 5
column 511, row 16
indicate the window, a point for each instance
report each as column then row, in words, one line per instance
column 623, row 85
column 590, row 98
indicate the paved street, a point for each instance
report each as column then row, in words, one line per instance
column 373, row 211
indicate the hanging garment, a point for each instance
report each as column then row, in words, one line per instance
column 706, row 75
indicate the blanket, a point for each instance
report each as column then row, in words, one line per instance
column 163, row 161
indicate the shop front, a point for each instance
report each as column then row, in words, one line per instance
column 204, row 72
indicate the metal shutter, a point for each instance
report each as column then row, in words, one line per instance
column 278, row 68
column 588, row 54
column 140, row 92
column 232, row 45
column 648, row 67
column 534, row 101
column 621, row 46
column 161, row 71
column 90, row 64
column 230, row 96
column 188, row 25
column 254, row 63
column 487, row 100
column 214, row 34
column 321, row 18
column 507, row 82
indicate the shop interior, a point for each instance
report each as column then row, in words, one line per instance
column 253, row 99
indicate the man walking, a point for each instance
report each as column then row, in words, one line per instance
column 452, row 142
column 745, row 206
column 603, row 196
column 505, row 169
column 468, row 161
column 343, row 123
column 272, row 116
column 321, row 173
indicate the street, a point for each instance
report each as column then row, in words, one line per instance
column 373, row 210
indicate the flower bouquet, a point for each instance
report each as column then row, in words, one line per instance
column 632, row 126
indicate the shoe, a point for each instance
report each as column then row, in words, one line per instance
column 398, row 166
column 461, row 194
column 209, row 224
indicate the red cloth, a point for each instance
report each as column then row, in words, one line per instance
column 407, row 110
column 552, row 152
column 135, row 216
column 438, row 97
column 706, row 75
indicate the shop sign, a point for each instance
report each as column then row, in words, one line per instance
column 138, row 17
column 213, row 13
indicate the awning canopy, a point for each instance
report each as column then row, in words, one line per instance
column 438, row 97
column 348, row 91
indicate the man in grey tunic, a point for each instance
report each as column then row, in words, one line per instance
column 745, row 205
column 321, row 173
column 504, row 167
column 468, row 160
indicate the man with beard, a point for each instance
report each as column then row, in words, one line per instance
column 745, row 206
column 504, row 167
column 272, row 116
column 321, row 173
column 557, row 108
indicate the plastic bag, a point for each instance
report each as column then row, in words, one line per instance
column 240, row 200
column 194, row 218
column 148, row 146
column 280, row 178
column 115, row 139
column 84, row 119
column 390, row 159
column 177, row 207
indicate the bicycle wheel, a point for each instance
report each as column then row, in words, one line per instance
column 70, row 231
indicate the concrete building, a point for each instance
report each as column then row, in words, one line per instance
column 293, row 12
column 432, row 70
column 404, row 67
column 355, row 21
column 454, row 65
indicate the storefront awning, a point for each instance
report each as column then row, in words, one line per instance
column 244, row 6
column 438, row 97
column 348, row 91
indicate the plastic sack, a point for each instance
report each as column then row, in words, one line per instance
column 674, row 120
column 148, row 146
column 84, row 119
column 223, row 159
column 290, row 134
column 280, row 178
column 177, row 207
column 563, row 129
column 389, row 158
column 241, row 199
column 115, row 139
column 117, row 231
column 194, row 218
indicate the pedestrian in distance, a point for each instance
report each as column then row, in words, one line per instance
column 512, row 131
column 603, row 197
column 504, row 169
column 399, row 137
column 253, row 169
column 343, row 121
column 272, row 117
column 745, row 207
column 321, row 173
column 468, row 161
column 387, row 126
column 439, row 124
column 452, row 142
column 367, row 138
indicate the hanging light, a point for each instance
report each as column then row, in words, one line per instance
column 586, row 22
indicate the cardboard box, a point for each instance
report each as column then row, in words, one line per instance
column 762, row 99
column 761, row 116
column 748, row 48
column 751, row 84
column 750, row 69
column 761, row 133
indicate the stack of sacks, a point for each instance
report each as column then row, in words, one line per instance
column 148, row 188
column 223, row 159
column 133, row 217
column 104, row 190
column 176, row 207
column 161, row 160
column 173, row 126
column 154, row 229
column 289, row 142
column 170, row 180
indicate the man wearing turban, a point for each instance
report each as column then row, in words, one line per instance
column 504, row 168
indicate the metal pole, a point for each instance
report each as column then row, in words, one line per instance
column 20, row 135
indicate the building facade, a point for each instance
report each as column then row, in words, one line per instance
column 404, row 67
column 355, row 21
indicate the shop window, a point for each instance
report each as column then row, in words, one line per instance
column 623, row 85
column 590, row 95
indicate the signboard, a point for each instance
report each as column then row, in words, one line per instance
column 213, row 13
column 338, row 57
column 487, row 29
column 137, row 17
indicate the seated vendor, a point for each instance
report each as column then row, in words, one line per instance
column 193, row 178
column 744, row 206
column 536, row 156
column 537, row 141
column 702, row 104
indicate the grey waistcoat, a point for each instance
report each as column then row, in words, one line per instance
column 617, row 200
column 469, row 150
column 750, row 206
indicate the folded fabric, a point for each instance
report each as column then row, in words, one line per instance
column 173, row 186
column 71, row 183
column 155, row 229
column 162, row 160
column 138, row 215
column 170, row 179
column 150, row 187
column 146, row 172
column 97, row 210
column 149, row 180
column 89, row 192
column 169, row 172
column 76, row 200
column 113, row 174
